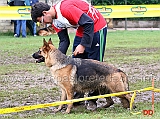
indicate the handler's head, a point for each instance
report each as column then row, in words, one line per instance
column 37, row 11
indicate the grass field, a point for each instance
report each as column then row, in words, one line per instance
column 23, row 82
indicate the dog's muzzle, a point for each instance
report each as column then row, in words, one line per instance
column 38, row 57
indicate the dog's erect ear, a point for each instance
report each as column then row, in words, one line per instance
column 46, row 46
column 50, row 41
column 44, row 42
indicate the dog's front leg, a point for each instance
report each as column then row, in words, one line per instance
column 69, row 97
column 63, row 98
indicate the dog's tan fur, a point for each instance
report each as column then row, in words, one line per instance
column 66, row 71
column 46, row 31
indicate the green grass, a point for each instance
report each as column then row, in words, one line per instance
column 133, row 39
column 137, row 52
column 122, row 46
column 109, row 113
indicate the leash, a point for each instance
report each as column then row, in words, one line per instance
column 71, row 55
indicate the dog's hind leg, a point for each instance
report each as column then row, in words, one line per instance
column 126, row 101
column 116, row 84
column 109, row 102
column 63, row 98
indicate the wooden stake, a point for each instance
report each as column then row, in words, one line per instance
column 153, row 96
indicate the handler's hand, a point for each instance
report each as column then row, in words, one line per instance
column 79, row 50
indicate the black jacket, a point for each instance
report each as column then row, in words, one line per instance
column 87, row 38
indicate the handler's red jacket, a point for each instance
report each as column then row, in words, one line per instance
column 78, row 14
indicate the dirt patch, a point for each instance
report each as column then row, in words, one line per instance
column 21, row 87
column 10, row 57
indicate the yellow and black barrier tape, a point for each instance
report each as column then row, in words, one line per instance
column 38, row 106
column 156, row 90
column 108, row 11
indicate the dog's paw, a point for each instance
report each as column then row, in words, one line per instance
column 66, row 112
column 56, row 110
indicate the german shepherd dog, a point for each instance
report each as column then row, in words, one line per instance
column 83, row 75
column 46, row 31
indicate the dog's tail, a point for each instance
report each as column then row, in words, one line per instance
column 125, row 79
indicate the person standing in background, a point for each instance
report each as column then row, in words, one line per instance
column 31, row 24
column 11, row 3
column 21, row 24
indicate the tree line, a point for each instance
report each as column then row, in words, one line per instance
column 123, row 2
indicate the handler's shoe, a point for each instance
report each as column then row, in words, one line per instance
column 90, row 105
column 15, row 35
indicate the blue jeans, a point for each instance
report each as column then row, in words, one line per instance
column 34, row 28
column 21, row 25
